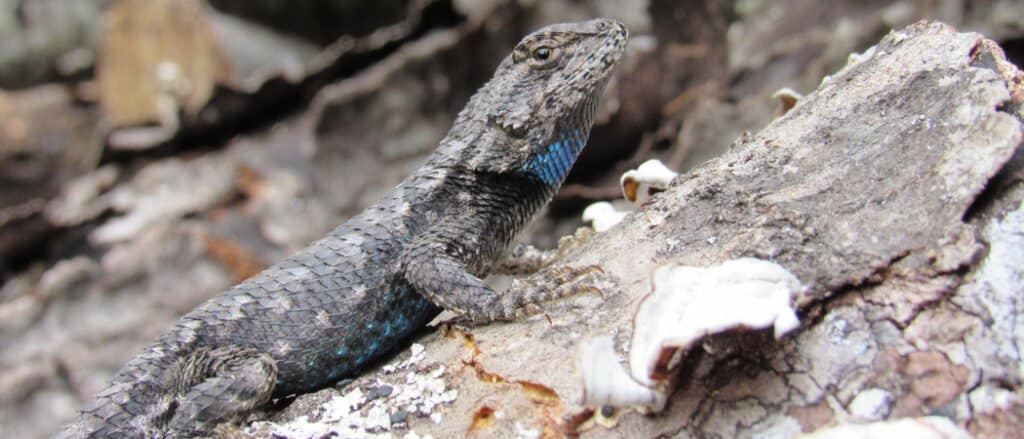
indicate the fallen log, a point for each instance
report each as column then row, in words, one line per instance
column 893, row 194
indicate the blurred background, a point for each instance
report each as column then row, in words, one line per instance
column 155, row 152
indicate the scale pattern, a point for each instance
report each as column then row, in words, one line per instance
column 366, row 288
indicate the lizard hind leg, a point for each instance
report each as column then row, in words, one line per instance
column 222, row 385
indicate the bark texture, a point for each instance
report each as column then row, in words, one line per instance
column 893, row 192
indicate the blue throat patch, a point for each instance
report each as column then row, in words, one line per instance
column 552, row 163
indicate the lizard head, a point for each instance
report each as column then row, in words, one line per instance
column 536, row 112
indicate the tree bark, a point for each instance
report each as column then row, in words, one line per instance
column 893, row 193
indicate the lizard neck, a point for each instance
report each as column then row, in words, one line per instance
column 491, row 210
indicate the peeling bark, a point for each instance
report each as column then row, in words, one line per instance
column 879, row 191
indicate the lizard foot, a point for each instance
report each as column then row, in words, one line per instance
column 556, row 283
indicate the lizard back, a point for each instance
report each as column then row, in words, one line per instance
column 361, row 291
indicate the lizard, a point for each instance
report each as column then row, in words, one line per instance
column 368, row 286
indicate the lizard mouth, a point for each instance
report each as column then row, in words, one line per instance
column 611, row 28
column 615, row 37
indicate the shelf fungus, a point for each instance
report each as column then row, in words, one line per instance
column 638, row 185
column 686, row 304
column 785, row 99
column 603, row 215
column 651, row 177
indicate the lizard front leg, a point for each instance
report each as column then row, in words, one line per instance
column 437, row 270
column 524, row 259
column 527, row 259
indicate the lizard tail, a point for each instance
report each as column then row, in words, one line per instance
column 135, row 404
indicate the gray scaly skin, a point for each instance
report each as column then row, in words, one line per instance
column 368, row 286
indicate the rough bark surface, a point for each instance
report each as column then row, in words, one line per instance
column 102, row 249
column 892, row 192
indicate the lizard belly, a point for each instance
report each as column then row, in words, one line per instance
column 380, row 324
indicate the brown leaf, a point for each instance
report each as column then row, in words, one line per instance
column 157, row 56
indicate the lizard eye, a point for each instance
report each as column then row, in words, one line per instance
column 543, row 57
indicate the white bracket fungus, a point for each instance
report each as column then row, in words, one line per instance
column 603, row 216
column 686, row 304
column 638, row 185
